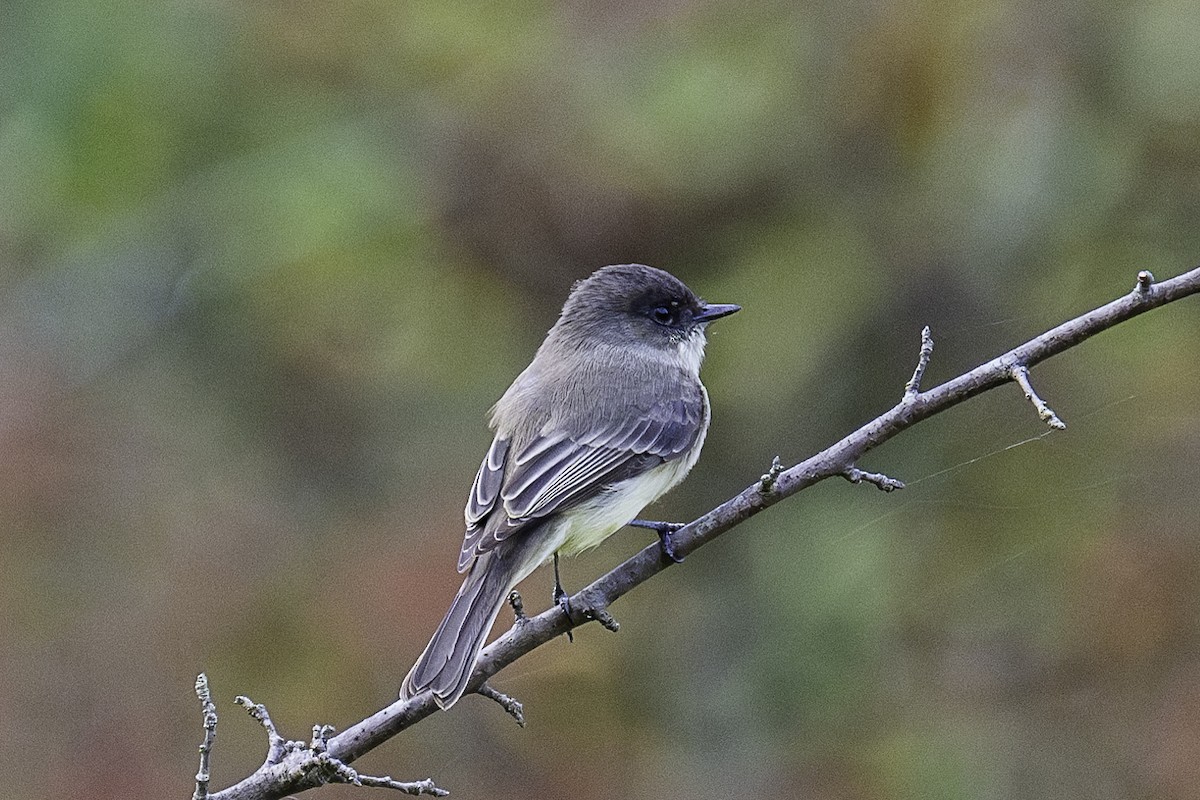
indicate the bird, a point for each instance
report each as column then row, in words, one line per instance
column 609, row 416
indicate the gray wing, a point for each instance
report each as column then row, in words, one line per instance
column 487, row 483
column 561, row 469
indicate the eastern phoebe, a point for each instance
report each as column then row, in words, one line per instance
column 609, row 416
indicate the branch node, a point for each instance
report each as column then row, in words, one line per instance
column 766, row 483
column 856, row 475
column 1145, row 281
column 320, row 738
column 210, row 734
column 1020, row 374
column 511, row 706
column 597, row 612
column 518, row 607
column 602, row 616
column 913, row 387
column 332, row 770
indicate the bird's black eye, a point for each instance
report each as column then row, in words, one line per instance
column 663, row 315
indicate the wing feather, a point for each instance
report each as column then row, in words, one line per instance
column 569, row 464
column 488, row 481
column 553, row 480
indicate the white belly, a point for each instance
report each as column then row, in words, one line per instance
column 594, row 520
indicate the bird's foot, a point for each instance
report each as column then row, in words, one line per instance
column 664, row 531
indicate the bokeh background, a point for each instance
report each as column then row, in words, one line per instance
column 265, row 266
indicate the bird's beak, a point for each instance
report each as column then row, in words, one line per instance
column 711, row 311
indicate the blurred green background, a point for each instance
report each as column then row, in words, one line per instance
column 265, row 266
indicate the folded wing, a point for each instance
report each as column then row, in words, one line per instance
column 562, row 468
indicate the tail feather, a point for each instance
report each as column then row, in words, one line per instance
column 449, row 659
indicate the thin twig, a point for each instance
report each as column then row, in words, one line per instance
column 1045, row 413
column 272, row 782
column 856, row 475
column 294, row 766
column 328, row 769
column 210, row 735
column 426, row 786
column 277, row 746
column 913, row 387
column 511, row 706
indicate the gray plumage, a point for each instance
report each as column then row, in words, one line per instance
column 609, row 415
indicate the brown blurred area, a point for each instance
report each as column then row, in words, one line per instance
column 264, row 267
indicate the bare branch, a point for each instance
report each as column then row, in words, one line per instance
column 913, row 387
column 511, row 707
column 426, row 786
column 293, row 766
column 856, row 475
column 317, row 763
column 210, row 735
column 276, row 745
column 1020, row 374
column 273, row 781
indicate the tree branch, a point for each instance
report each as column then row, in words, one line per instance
column 274, row 780
column 209, row 709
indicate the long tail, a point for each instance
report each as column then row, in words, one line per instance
column 449, row 659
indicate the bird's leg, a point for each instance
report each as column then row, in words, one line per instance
column 664, row 531
column 561, row 598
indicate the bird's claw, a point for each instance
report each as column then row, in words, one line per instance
column 561, row 598
column 664, row 531
column 668, row 547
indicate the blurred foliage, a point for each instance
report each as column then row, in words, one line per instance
column 265, row 266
